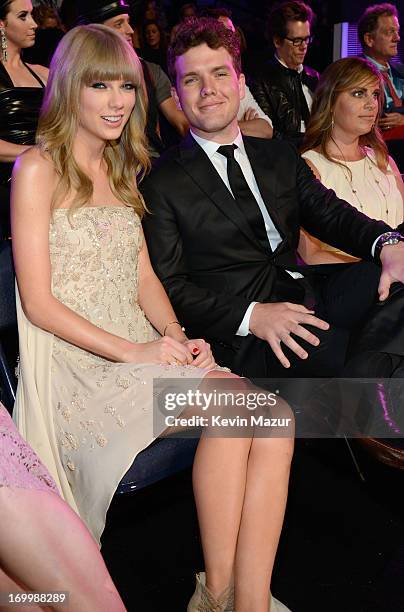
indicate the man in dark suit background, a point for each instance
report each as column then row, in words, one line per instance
column 229, row 263
column 285, row 85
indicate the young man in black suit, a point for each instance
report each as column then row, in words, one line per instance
column 223, row 230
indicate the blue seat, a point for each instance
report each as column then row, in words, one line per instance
column 164, row 457
column 8, row 321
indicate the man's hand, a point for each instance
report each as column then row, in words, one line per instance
column 392, row 258
column 391, row 120
column 275, row 322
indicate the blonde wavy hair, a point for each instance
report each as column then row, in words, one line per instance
column 343, row 75
column 85, row 55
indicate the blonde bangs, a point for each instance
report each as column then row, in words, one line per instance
column 85, row 55
column 111, row 62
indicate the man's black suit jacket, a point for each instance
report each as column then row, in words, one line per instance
column 277, row 90
column 203, row 249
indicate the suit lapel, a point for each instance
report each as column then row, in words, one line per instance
column 198, row 166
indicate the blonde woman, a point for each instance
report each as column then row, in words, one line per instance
column 346, row 152
column 96, row 327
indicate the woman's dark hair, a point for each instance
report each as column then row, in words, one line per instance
column 339, row 77
column 4, row 8
column 163, row 37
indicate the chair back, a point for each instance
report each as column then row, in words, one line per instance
column 8, row 314
column 8, row 321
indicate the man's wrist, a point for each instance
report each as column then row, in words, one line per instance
column 244, row 328
column 386, row 239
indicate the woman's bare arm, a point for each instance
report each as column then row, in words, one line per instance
column 34, row 181
column 312, row 250
column 9, row 151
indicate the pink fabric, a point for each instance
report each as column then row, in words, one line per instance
column 20, row 467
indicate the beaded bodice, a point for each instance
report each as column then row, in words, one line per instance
column 94, row 261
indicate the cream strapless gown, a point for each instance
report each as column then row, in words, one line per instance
column 85, row 416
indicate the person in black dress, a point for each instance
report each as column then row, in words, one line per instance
column 21, row 92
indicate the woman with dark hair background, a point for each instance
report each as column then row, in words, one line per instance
column 346, row 152
column 154, row 47
column 21, row 92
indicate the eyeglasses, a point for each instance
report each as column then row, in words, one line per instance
column 296, row 42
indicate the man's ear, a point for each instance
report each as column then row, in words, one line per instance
column 176, row 98
column 368, row 40
column 241, row 85
column 277, row 42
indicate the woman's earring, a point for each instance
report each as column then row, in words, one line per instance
column 330, row 126
column 3, row 43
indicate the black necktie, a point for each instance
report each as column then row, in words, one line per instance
column 304, row 108
column 243, row 195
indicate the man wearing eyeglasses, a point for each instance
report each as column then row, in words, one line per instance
column 285, row 86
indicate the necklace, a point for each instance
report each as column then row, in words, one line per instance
column 378, row 186
column 370, row 177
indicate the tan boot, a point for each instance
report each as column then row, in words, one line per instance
column 203, row 600
column 275, row 604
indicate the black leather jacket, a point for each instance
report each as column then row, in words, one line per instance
column 277, row 91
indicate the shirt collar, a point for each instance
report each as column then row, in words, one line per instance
column 381, row 67
column 210, row 147
column 299, row 69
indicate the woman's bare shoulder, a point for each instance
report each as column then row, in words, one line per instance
column 35, row 165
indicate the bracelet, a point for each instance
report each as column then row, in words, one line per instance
column 173, row 323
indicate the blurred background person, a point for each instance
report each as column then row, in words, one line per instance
column 251, row 118
column 154, row 47
column 47, row 17
column 186, row 10
column 346, row 152
column 160, row 102
column 379, row 35
column 49, row 33
column 284, row 89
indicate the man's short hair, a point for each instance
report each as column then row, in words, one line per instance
column 369, row 19
column 281, row 13
column 197, row 31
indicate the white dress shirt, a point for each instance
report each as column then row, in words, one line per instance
column 220, row 164
column 250, row 102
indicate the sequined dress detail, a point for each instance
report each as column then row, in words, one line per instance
column 98, row 415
